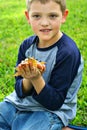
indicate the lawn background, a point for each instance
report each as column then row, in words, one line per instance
column 14, row 29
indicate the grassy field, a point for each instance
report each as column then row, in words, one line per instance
column 14, row 29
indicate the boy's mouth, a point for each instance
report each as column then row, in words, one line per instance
column 45, row 30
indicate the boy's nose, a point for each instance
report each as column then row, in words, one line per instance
column 44, row 22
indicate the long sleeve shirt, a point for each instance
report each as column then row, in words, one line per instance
column 62, row 77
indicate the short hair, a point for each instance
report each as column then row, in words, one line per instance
column 62, row 3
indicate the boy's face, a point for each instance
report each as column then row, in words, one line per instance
column 46, row 20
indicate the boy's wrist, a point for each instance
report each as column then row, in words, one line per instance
column 38, row 83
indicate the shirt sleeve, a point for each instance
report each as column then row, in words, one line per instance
column 54, row 93
column 18, row 80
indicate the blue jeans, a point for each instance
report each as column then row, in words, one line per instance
column 12, row 119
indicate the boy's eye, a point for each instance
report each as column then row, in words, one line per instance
column 36, row 16
column 53, row 16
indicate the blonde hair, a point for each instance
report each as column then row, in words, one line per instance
column 62, row 3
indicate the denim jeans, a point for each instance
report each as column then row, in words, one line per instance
column 12, row 119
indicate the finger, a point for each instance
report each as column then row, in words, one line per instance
column 21, row 69
column 39, row 66
column 31, row 67
column 27, row 68
column 44, row 68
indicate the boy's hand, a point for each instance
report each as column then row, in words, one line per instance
column 30, row 69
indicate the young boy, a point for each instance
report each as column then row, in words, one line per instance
column 44, row 101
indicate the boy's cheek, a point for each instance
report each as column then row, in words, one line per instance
column 34, row 27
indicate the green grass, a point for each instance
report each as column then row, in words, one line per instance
column 14, row 29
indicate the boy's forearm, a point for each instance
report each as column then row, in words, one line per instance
column 27, row 86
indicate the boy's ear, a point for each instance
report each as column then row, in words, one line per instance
column 65, row 14
column 27, row 16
